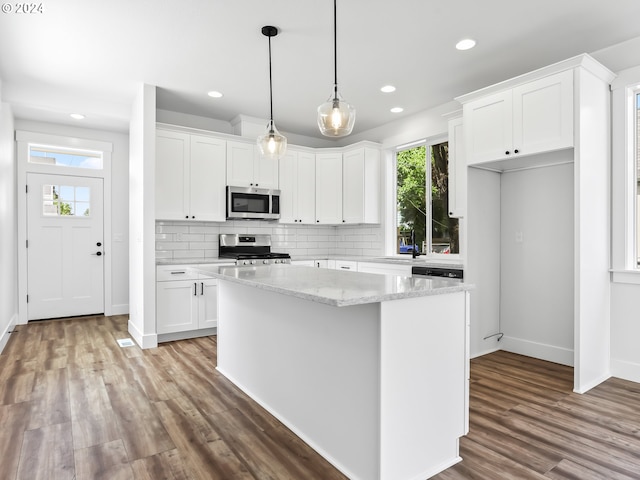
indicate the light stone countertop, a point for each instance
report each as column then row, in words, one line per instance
column 397, row 260
column 193, row 261
column 333, row 287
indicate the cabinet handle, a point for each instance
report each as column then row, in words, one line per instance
column 201, row 288
column 186, row 216
column 193, row 216
column 176, row 272
column 195, row 289
column 516, row 151
column 317, row 221
column 507, row 152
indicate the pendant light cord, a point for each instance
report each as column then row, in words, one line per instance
column 335, row 50
column 270, row 85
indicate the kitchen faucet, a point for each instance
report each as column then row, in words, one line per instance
column 414, row 250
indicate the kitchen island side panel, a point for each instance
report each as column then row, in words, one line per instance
column 315, row 367
column 424, row 357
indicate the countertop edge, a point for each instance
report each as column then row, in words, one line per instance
column 461, row 287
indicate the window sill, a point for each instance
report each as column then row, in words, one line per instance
column 631, row 277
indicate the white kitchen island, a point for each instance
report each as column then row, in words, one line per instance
column 370, row 370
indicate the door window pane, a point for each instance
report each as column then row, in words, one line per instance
column 66, row 201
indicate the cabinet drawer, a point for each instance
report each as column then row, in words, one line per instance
column 165, row 273
column 346, row 265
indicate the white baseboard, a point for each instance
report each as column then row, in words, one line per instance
column 550, row 353
column 625, row 370
column 4, row 339
column 593, row 383
column 170, row 337
column 484, row 352
column 122, row 309
column 144, row 341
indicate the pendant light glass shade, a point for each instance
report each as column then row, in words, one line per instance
column 336, row 117
column 272, row 144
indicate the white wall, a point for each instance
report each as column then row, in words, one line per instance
column 8, row 226
column 482, row 267
column 119, row 257
column 142, row 278
column 536, row 263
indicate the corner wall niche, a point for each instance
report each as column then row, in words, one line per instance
column 547, row 165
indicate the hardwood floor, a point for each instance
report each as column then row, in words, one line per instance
column 75, row 405
column 525, row 423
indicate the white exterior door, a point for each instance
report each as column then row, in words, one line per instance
column 65, row 254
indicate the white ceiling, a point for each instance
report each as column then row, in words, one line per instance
column 88, row 56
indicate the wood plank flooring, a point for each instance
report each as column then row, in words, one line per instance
column 74, row 405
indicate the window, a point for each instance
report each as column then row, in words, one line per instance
column 422, row 197
column 63, row 157
column 66, row 201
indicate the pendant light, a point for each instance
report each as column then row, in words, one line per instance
column 336, row 117
column 272, row 144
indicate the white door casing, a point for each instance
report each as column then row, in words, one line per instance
column 65, row 252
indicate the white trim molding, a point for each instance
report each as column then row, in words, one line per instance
column 23, row 140
column 624, row 174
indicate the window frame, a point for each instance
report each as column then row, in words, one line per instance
column 624, row 178
column 391, row 246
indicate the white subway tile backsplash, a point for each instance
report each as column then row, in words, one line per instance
column 184, row 240
column 190, row 237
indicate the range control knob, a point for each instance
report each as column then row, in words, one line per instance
column 265, row 262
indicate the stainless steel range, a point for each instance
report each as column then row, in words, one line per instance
column 250, row 249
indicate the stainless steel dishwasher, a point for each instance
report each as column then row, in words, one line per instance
column 420, row 271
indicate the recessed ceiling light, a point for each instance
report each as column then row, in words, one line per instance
column 397, row 110
column 77, row 116
column 388, row 89
column 214, row 94
column 466, row 44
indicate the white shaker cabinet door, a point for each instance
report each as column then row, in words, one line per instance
column 306, row 188
column 240, row 163
column 207, row 302
column 329, row 188
column 457, row 167
column 172, row 175
column 177, row 304
column 207, row 179
column 543, row 114
column 488, row 127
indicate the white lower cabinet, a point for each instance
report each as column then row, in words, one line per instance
column 384, row 268
column 185, row 300
column 314, row 263
column 346, row 265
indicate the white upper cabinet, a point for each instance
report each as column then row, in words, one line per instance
column 457, row 169
column 297, row 175
column 207, row 178
column 190, row 177
column 246, row 168
column 172, row 175
column 329, row 188
column 361, row 185
column 531, row 118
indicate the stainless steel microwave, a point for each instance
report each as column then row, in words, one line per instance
column 253, row 203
